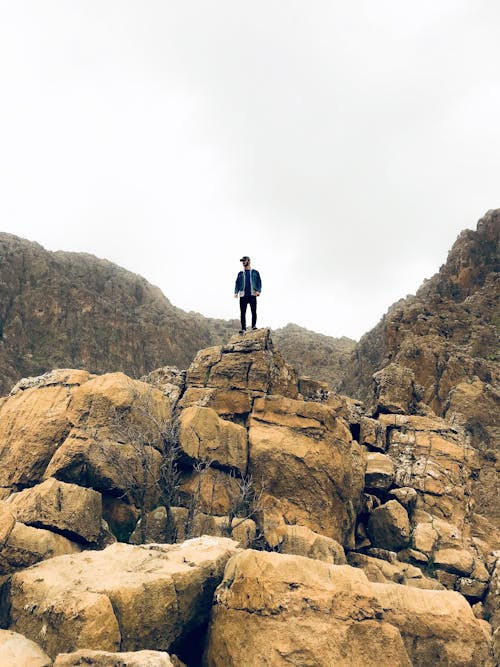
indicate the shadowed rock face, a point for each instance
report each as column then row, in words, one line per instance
column 61, row 309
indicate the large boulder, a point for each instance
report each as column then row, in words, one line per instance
column 122, row 598
column 438, row 627
column 303, row 612
column 389, row 526
column 68, row 509
column 33, row 423
column 18, row 651
column 26, row 546
column 308, row 465
column 205, row 437
column 395, row 390
column 247, row 363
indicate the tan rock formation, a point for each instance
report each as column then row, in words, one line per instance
column 65, row 508
column 395, row 390
column 230, row 404
column 310, row 468
column 7, row 523
column 300, row 541
column 379, row 471
column 438, row 627
column 205, row 437
column 380, row 570
column 210, row 491
column 18, row 651
column 249, row 363
column 389, row 526
column 124, row 597
column 303, row 612
column 26, row 546
column 107, row 659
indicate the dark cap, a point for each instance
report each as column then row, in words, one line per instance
column 244, row 257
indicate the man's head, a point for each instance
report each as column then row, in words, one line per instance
column 245, row 260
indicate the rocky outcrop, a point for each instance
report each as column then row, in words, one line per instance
column 107, row 659
column 122, row 598
column 305, row 460
column 444, row 341
column 308, row 612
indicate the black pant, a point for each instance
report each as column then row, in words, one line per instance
column 244, row 301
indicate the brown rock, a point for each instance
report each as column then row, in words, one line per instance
column 33, row 423
column 229, row 403
column 380, row 570
column 26, row 546
column 372, row 433
column 438, row 627
column 300, row 541
column 7, row 523
column 205, row 437
column 305, row 459
column 406, row 496
column 425, row 537
column 313, row 390
column 124, row 597
column 379, row 471
column 169, row 380
column 17, row 651
column 210, row 491
column 389, row 526
column 287, row 602
column 395, row 390
column 107, row 659
column 66, row 508
column 457, row 561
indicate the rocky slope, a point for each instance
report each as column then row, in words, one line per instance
column 316, row 355
column 62, row 309
column 328, row 549
column 446, row 337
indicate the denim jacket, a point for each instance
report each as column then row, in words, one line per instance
column 256, row 283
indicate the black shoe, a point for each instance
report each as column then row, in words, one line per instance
column 254, row 328
column 242, row 331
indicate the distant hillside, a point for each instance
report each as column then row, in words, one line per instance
column 62, row 309
column 315, row 355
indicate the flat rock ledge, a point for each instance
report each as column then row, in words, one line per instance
column 124, row 598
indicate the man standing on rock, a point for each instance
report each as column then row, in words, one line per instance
column 248, row 287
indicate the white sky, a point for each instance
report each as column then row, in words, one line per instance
column 342, row 145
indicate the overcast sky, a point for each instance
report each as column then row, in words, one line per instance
column 342, row 145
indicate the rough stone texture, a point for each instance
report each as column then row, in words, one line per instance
column 169, row 380
column 310, row 468
column 447, row 334
column 303, row 611
column 316, row 355
column 406, row 496
column 244, row 363
column 33, row 423
column 389, row 526
column 26, row 546
column 438, row 627
column 18, row 651
column 211, row 491
column 7, row 523
column 107, row 659
column 380, row 570
column 372, row 433
column 228, row 403
column 379, row 472
column 300, row 541
column 457, row 561
column 69, row 509
column 492, row 608
column 313, row 390
column 395, row 390
column 425, row 537
column 124, row 597
column 433, row 458
column 205, row 437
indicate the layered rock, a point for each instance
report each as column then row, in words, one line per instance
column 122, row 598
column 445, row 339
column 308, row 612
column 310, row 469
